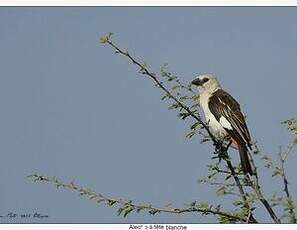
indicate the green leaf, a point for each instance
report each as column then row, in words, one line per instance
column 276, row 172
column 227, row 177
column 139, row 209
column 143, row 67
column 111, row 202
column 120, row 210
column 264, row 157
column 102, row 40
column 221, row 191
column 105, row 38
column 291, row 125
column 190, row 134
column 204, row 140
column 194, row 126
column 183, row 116
column 100, row 200
column 193, row 204
column 128, row 210
column 237, row 203
column 173, row 106
column 109, row 35
column 175, row 87
column 153, row 211
column 182, row 98
column 202, row 205
column 243, row 212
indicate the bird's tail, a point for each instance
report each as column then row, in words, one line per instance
column 244, row 158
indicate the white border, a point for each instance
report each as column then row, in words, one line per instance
column 126, row 226
column 145, row 3
column 148, row 3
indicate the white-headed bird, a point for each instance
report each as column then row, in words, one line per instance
column 224, row 117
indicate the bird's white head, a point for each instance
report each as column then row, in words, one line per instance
column 206, row 82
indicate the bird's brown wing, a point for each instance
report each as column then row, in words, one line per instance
column 221, row 104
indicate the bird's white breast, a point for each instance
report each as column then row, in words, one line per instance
column 217, row 129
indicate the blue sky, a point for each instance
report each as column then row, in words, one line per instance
column 73, row 109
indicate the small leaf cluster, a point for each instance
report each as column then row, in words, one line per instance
column 105, row 38
column 292, row 127
column 183, row 92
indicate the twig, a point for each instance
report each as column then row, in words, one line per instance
column 249, row 216
column 145, row 71
column 241, row 191
column 256, row 186
column 285, row 180
column 224, row 184
column 129, row 205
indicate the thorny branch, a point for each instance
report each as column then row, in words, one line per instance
column 146, row 72
column 128, row 206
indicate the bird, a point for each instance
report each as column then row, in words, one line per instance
column 224, row 117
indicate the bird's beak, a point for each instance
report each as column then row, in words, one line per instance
column 197, row 82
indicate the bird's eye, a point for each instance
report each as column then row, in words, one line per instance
column 205, row 80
